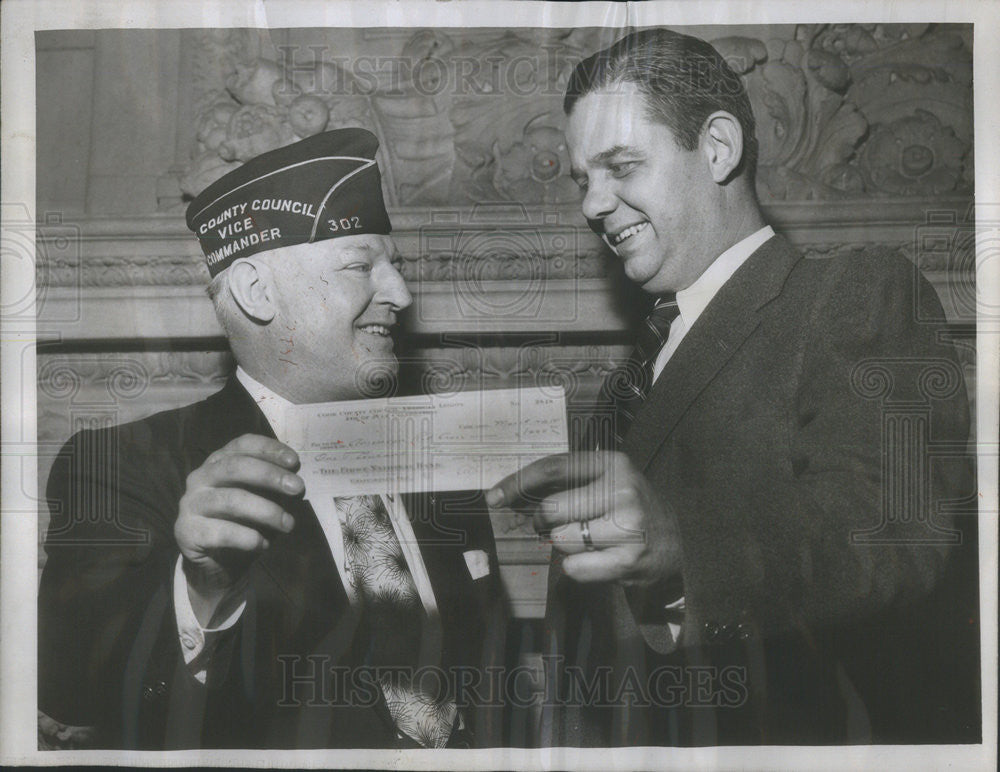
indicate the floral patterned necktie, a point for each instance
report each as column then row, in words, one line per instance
column 396, row 622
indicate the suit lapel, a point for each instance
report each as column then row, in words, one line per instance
column 301, row 566
column 730, row 318
column 226, row 415
column 438, row 540
column 299, row 563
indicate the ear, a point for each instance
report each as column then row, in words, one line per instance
column 252, row 286
column 722, row 143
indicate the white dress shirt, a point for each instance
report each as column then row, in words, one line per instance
column 691, row 302
column 197, row 642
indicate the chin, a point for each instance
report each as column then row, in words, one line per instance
column 636, row 275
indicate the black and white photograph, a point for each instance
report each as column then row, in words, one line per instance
column 467, row 385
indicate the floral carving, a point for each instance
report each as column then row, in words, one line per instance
column 535, row 168
column 252, row 130
column 263, row 108
column 915, row 155
column 254, row 83
column 508, row 118
column 831, row 104
column 479, row 117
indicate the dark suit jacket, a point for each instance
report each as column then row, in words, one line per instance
column 810, row 436
column 109, row 654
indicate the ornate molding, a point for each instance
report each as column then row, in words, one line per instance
column 99, row 378
column 498, row 242
column 127, row 375
column 497, row 270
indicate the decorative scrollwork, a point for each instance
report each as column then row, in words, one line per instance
column 128, row 379
column 444, row 377
column 939, row 379
column 558, row 378
column 59, row 379
column 378, row 378
column 872, row 379
column 626, row 380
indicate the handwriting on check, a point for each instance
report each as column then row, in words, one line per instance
column 462, row 441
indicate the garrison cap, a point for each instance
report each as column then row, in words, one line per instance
column 323, row 187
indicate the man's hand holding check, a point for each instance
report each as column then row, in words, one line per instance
column 633, row 536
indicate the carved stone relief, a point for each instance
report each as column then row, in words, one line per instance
column 852, row 111
column 843, row 111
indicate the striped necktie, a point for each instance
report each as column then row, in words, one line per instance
column 396, row 619
column 627, row 387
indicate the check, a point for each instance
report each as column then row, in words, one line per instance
column 463, row 441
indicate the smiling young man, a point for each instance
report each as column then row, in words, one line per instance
column 746, row 551
column 254, row 612
column 649, row 197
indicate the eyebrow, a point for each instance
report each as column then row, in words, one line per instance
column 365, row 248
column 603, row 156
column 368, row 250
column 611, row 152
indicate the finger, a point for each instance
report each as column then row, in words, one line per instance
column 223, row 534
column 602, row 566
column 244, row 507
column 224, row 470
column 532, row 483
column 605, row 533
column 606, row 494
column 265, row 448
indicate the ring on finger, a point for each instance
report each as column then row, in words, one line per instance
column 585, row 535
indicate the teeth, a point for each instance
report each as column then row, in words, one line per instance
column 629, row 231
column 376, row 329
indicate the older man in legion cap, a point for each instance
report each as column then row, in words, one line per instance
column 255, row 615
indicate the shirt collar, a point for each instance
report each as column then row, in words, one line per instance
column 693, row 300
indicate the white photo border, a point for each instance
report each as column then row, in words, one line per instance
column 18, row 559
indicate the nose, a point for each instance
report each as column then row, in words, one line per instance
column 599, row 200
column 391, row 288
